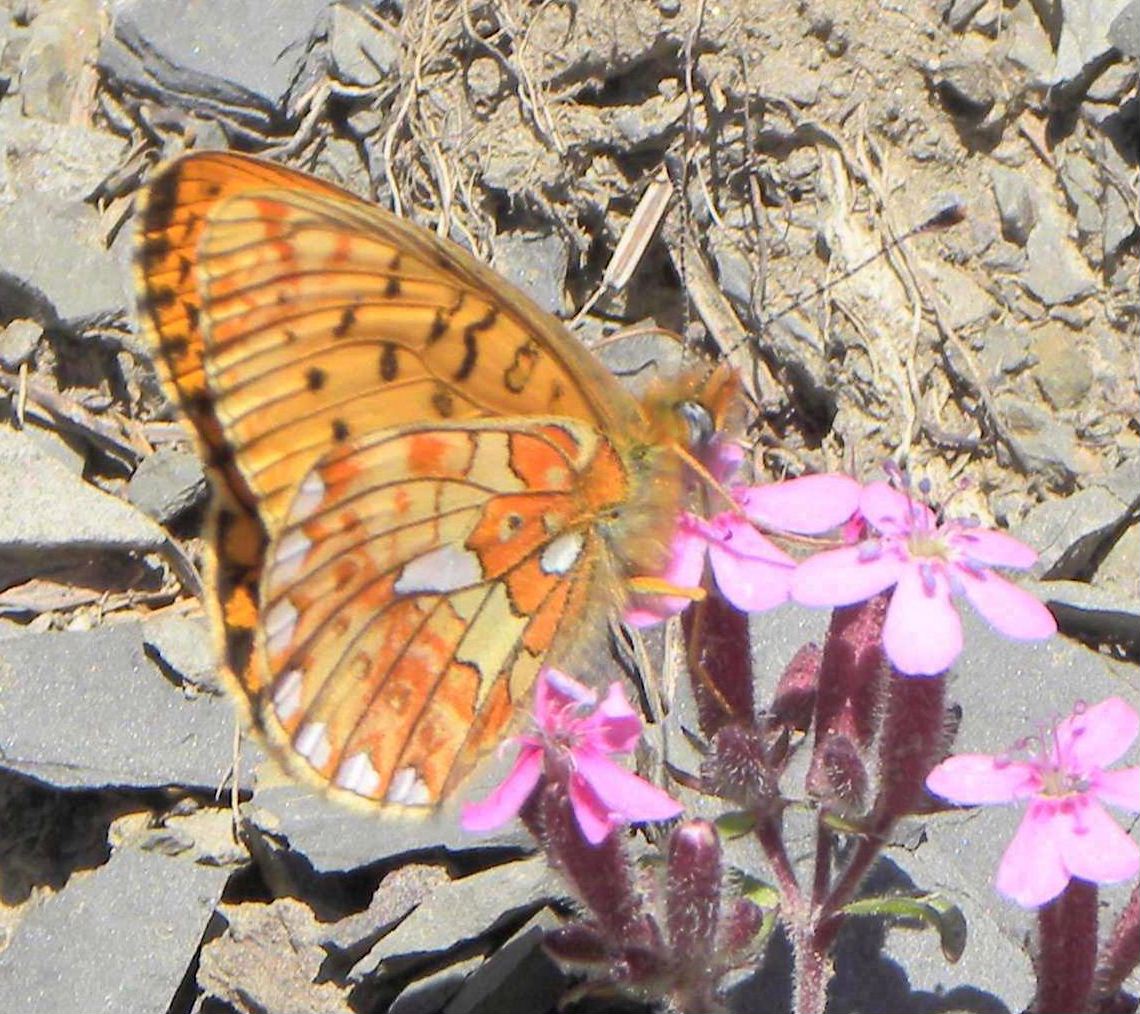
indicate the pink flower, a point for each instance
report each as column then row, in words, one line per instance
column 751, row 572
column 928, row 562
column 1065, row 832
column 570, row 741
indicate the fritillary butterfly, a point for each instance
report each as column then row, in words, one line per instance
column 425, row 486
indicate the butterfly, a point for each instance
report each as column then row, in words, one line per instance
column 425, row 487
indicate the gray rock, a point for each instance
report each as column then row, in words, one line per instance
column 961, row 13
column 536, row 264
column 1094, row 613
column 1056, row 273
column 167, row 484
column 18, row 341
column 129, row 930
column 1082, row 189
column 460, row 911
column 55, row 248
column 431, row 993
column 1069, row 534
column 268, row 959
column 519, row 976
column 397, row 894
column 1049, row 445
column 220, row 57
column 46, row 510
column 64, row 162
column 334, row 837
column 56, row 81
column 1063, row 371
column 360, row 51
column 1003, row 350
column 185, row 645
column 89, row 709
column 1015, row 204
column 1083, row 49
column 966, row 303
column 1124, row 32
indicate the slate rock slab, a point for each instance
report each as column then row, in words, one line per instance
column 89, row 709
column 119, row 938
column 48, row 244
column 233, row 58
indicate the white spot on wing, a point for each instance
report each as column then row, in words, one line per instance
column 289, row 554
column 356, row 774
column 408, row 788
column 287, row 695
column 312, row 743
column 445, row 569
column 280, row 622
column 309, row 496
column 562, row 553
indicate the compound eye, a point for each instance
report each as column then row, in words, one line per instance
column 699, row 423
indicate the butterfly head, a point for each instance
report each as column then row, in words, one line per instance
column 697, row 413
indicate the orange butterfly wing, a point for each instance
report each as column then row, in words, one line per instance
column 319, row 346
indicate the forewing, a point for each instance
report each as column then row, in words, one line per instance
column 418, row 582
column 291, row 315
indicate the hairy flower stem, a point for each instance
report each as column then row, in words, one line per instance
column 1066, row 950
column 1121, row 952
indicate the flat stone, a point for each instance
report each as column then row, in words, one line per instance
column 966, row 303
column 185, row 645
column 361, row 52
column 961, row 13
column 1069, row 533
column 1048, row 444
column 1056, row 272
column 1015, row 203
column 89, row 710
column 56, row 81
column 46, row 509
column 335, row 837
column 519, row 976
column 536, row 264
column 168, row 483
column 1063, row 371
column 1083, row 49
column 117, row 938
column 18, row 341
column 1094, row 613
column 431, row 993
column 219, row 56
column 55, row 248
column 1124, row 32
column 463, row 910
column 268, row 959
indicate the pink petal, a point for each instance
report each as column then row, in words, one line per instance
column 922, row 634
column 1009, row 609
column 615, row 727
column 1093, row 846
column 557, row 694
column 753, row 574
column 622, row 791
column 840, row 577
column 505, row 801
column 809, row 505
column 973, row 778
column 594, row 818
column 994, row 549
column 724, row 459
column 1031, row 871
column 685, row 568
column 1118, row 788
column 1098, row 735
column 892, row 512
